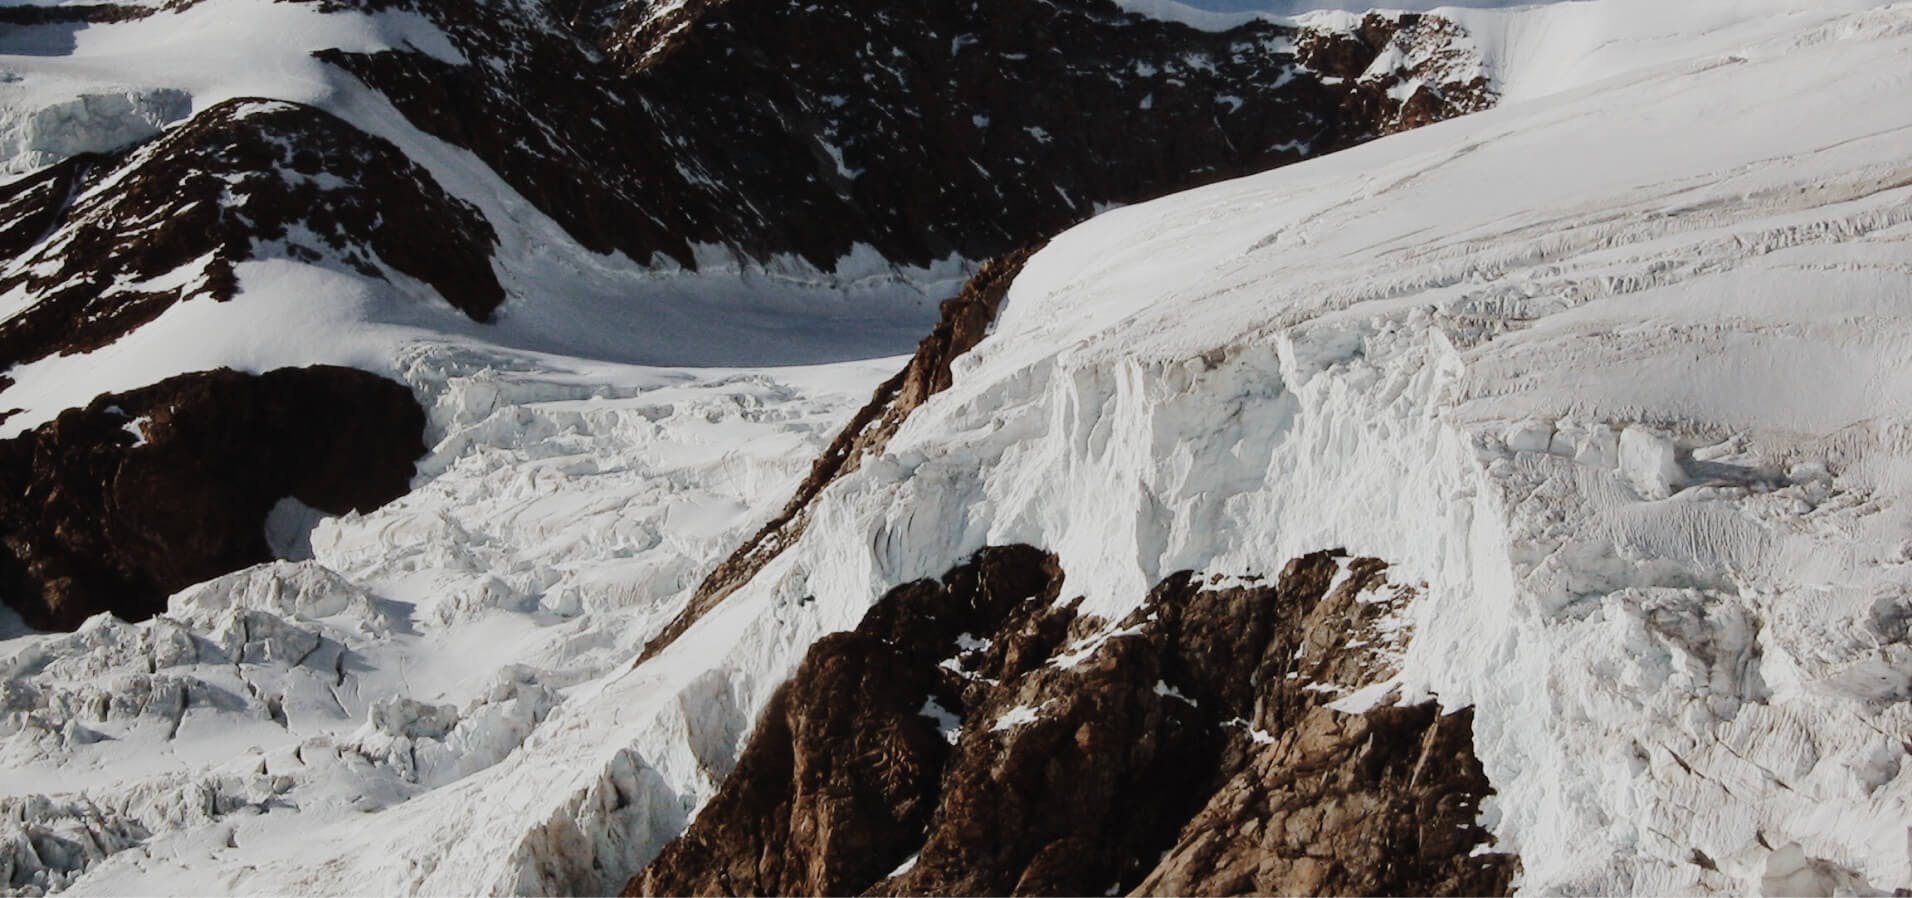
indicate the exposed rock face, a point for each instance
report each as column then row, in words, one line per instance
column 938, row 128
column 963, row 323
column 115, row 506
column 974, row 735
column 105, row 245
column 90, row 13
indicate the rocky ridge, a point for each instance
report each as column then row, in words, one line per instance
column 103, row 245
column 974, row 735
column 957, row 129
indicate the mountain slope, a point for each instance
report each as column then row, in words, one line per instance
column 1661, row 610
column 522, row 165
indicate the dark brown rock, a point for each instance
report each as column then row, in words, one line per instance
column 1187, row 750
column 31, row 206
column 1382, row 803
column 94, row 517
column 924, row 130
column 74, row 14
column 244, row 178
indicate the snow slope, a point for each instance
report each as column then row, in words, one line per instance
column 1620, row 374
column 1539, row 48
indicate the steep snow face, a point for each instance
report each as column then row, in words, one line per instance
column 1622, row 376
column 89, row 123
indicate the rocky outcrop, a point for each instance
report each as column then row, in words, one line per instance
column 77, row 13
column 974, row 735
column 103, row 245
column 935, row 129
column 113, row 507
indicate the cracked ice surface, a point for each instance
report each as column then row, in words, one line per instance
column 562, row 517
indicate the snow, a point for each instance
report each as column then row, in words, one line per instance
column 1619, row 375
column 947, row 723
column 87, row 123
column 66, row 88
column 562, row 517
column 1259, row 737
column 1538, row 48
column 1162, row 688
column 1015, row 717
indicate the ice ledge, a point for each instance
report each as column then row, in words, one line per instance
column 34, row 136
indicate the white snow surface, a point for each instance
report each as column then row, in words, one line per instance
column 1621, row 373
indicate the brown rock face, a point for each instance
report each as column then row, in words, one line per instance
column 922, row 129
column 974, row 735
column 242, row 180
column 89, row 13
column 115, row 506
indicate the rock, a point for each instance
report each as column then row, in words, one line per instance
column 113, row 507
column 1191, row 748
column 939, row 128
column 243, row 178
